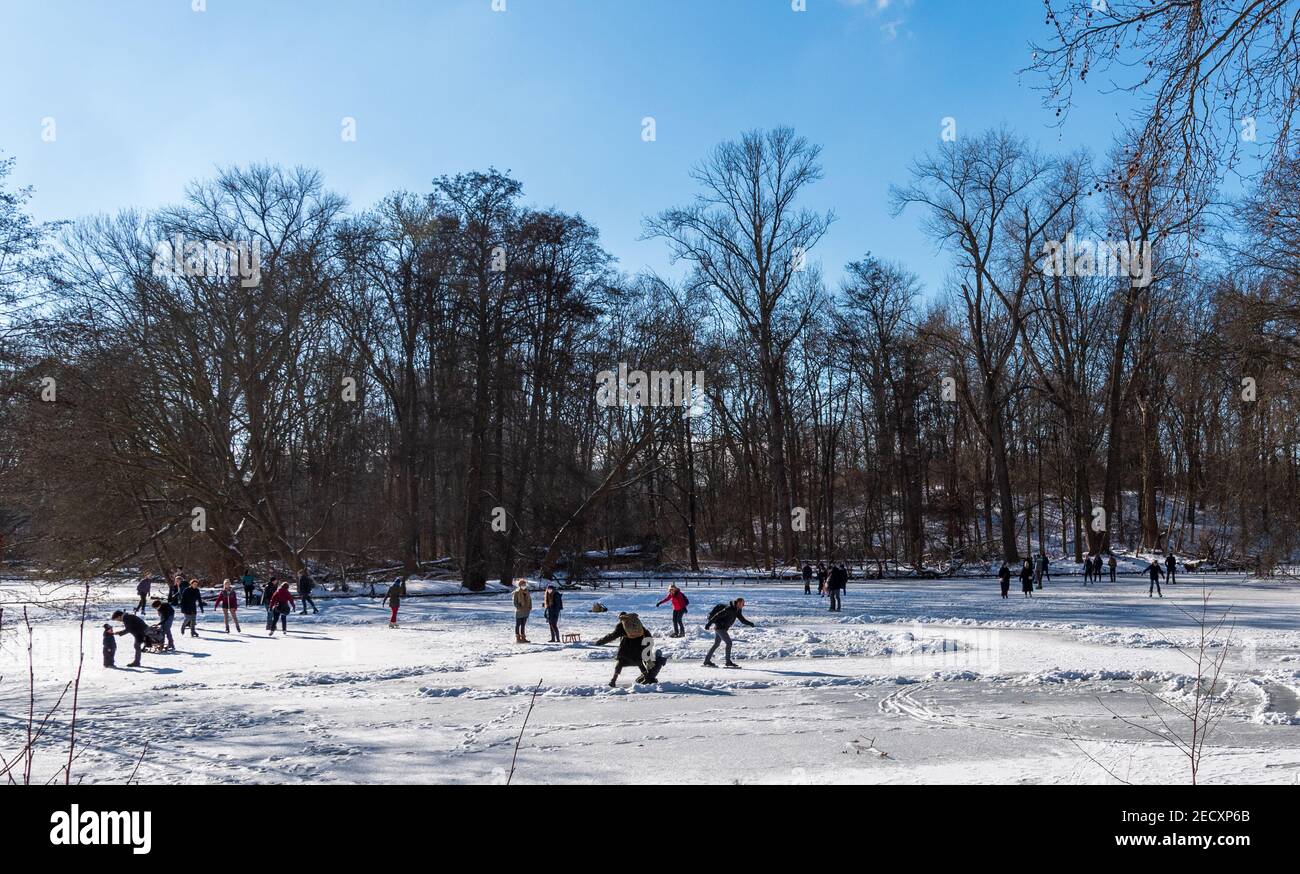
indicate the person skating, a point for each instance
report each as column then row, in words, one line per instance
column 282, row 605
column 166, row 616
column 268, row 592
column 838, row 583
column 822, row 574
column 1087, row 568
column 1027, row 579
column 1155, row 573
column 807, row 579
column 1171, row 570
column 305, row 586
column 721, row 618
column 110, row 646
column 1044, row 569
column 174, row 586
column 394, row 599
column 134, row 626
column 523, row 606
column 1111, row 563
column 249, row 583
column 635, row 649
column 1097, row 567
column 1004, row 579
column 679, row 601
column 228, row 601
column 142, row 589
column 552, row 604
column 191, row 603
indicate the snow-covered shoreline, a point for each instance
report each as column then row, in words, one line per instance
column 954, row 683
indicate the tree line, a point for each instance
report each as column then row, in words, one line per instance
column 263, row 374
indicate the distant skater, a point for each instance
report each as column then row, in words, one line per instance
column 228, row 601
column 142, row 589
column 191, row 603
column 166, row 616
column 268, row 592
column 394, row 599
column 523, row 606
column 1171, row 570
column 838, row 583
column 807, row 579
column 1044, row 569
column 552, row 604
column 1111, row 563
column 821, row 579
column 281, row 606
column 1155, row 573
column 721, row 618
column 679, row 601
column 1027, row 579
column 305, row 586
column 1087, row 568
column 1004, row 579
column 249, row 583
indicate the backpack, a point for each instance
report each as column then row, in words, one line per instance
column 716, row 611
column 632, row 627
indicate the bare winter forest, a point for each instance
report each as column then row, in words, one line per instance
column 268, row 373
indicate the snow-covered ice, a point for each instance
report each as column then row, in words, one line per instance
column 915, row 681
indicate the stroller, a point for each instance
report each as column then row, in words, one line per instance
column 154, row 640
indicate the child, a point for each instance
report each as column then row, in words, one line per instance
column 110, row 646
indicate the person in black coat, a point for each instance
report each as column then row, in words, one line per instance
column 1171, row 569
column 721, row 618
column 1004, row 579
column 1027, row 580
column 839, row 582
column 142, row 589
column 166, row 616
column 272, row 585
column 110, row 646
column 633, row 651
column 134, row 626
column 807, row 579
column 821, row 579
column 305, row 586
column 191, row 603
column 1156, row 573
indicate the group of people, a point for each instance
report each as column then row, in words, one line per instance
column 636, row 642
column 831, row 582
column 275, row 598
column 1092, row 567
column 1033, row 572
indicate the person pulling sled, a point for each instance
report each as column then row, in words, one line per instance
column 635, row 649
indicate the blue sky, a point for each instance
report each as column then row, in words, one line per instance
column 149, row 94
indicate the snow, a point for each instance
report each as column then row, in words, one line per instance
column 915, row 681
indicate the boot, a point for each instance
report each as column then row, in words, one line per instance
column 708, row 663
column 730, row 664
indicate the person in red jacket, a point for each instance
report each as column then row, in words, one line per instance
column 282, row 604
column 228, row 601
column 679, row 601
